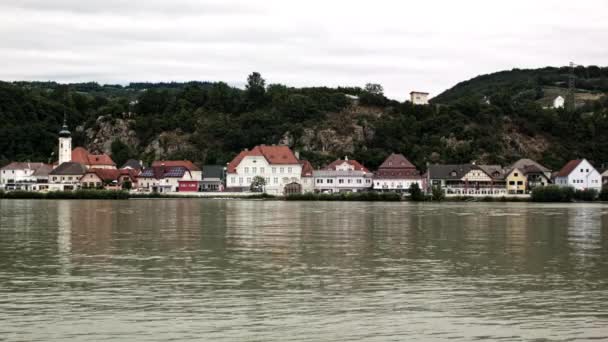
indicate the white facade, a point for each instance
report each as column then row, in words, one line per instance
column 25, row 175
column 559, row 102
column 419, row 98
column 583, row 176
column 308, row 184
column 397, row 184
column 65, row 150
column 275, row 175
column 333, row 181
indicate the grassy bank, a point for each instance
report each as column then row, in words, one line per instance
column 78, row 194
column 346, row 196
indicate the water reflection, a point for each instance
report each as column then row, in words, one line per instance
column 272, row 270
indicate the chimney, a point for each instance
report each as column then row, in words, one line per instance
column 297, row 153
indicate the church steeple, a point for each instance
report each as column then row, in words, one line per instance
column 65, row 142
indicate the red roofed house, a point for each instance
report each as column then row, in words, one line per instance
column 108, row 179
column 343, row 175
column 169, row 178
column 278, row 165
column 579, row 174
column 92, row 161
column 397, row 174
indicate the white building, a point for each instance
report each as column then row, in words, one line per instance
column 419, row 98
column 579, row 174
column 397, row 174
column 24, row 176
column 343, row 175
column 278, row 165
column 559, row 102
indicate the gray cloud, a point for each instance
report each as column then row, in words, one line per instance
column 426, row 46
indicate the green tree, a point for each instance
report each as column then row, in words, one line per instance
column 416, row 193
column 255, row 89
column 374, row 88
column 121, row 152
column 257, row 184
column 437, row 193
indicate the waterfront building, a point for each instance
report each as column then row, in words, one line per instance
column 166, row 178
column 109, row 179
column 24, row 176
column 467, row 179
column 213, row 178
column 526, row 174
column 195, row 171
column 579, row 174
column 343, row 175
column 277, row 165
column 397, row 174
column 419, row 98
column 66, row 176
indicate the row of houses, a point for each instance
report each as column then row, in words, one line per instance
column 281, row 171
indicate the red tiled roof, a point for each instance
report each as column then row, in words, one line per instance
column 272, row 154
column 172, row 163
column 82, row 156
column 568, row 168
column 105, row 174
column 355, row 164
column 396, row 161
column 306, row 168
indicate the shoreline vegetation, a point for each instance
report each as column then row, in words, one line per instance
column 549, row 194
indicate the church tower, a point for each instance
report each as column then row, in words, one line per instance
column 65, row 144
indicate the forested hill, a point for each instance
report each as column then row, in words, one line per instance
column 494, row 118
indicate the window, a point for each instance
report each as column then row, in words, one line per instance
column 288, row 170
column 516, row 174
column 246, row 170
column 340, row 181
column 267, row 180
column 240, row 180
column 276, row 180
column 261, row 170
column 319, row 181
column 359, row 181
column 330, row 181
column 254, row 170
column 587, row 170
column 248, row 180
column 520, row 183
column 281, row 170
column 511, row 183
column 350, row 181
column 232, row 180
column 274, row 170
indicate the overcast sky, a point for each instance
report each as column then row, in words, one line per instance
column 425, row 45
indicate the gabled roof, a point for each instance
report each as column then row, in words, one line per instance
column 529, row 164
column 183, row 163
column 69, row 168
column 133, row 164
column 213, row 171
column 106, row 175
column 25, row 166
column 82, row 156
column 306, row 168
column 273, row 154
column 396, row 161
column 355, row 164
column 568, row 168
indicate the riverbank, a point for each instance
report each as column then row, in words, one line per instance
column 119, row 195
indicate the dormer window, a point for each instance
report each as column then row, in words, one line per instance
column 453, row 173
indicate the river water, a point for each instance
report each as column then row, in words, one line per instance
column 237, row 270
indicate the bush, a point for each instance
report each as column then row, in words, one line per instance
column 552, row 193
column 586, row 195
column 415, row 193
column 604, row 195
column 437, row 193
column 346, row 196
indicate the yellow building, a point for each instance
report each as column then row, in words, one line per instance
column 516, row 182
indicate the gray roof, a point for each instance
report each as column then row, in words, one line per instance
column 457, row 171
column 530, row 164
column 69, row 168
column 213, row 171
column 133, row 164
